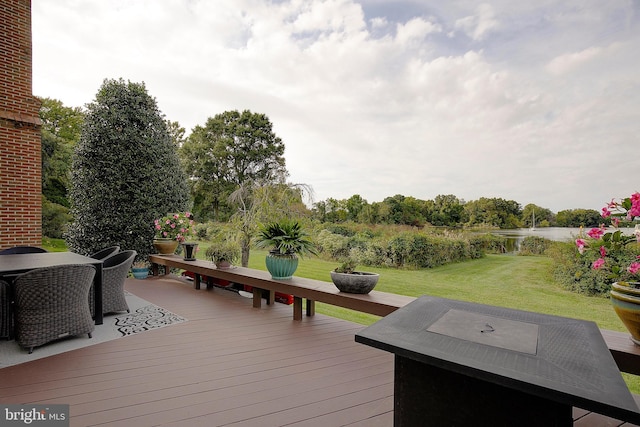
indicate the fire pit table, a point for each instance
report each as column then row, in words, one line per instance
column 459, row 363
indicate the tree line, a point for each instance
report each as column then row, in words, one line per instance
column 235, row 150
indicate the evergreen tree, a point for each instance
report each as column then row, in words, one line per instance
column 125, row 172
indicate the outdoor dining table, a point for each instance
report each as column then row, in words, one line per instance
column 21, row 263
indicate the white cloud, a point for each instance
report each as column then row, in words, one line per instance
column 567, row 62
column 416, row 30
column 530, row 107
column 478, row 25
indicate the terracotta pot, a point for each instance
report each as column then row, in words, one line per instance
column 165, row 246
column 358, row 282
column 626, row 303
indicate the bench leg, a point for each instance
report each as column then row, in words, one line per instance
column 297, row 308
column 272, row 298
column 209, row 283
column 257, row 297
column 311, row 307
column 196, row 281
column 154, row 269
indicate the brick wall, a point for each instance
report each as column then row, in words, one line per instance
column 20, row 155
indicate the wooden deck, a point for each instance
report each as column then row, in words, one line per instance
column 230, row 364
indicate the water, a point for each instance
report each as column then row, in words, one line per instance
column 558, row 234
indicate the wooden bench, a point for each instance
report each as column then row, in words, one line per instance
column 377, row 303
column 625, row 353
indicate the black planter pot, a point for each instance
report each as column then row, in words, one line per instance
column 190, row 251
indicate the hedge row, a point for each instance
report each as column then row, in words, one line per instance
column 407, row 249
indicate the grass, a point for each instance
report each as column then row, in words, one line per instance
column 54, row 245
column 519, row 282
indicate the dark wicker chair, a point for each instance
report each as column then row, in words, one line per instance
column 22, row 250
column 51, row 303
column 115, row 270
column 105, row 253
column 6, row 313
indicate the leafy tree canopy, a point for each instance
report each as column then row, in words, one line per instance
column 230, row 149
column 125, row 171
column 60, row 132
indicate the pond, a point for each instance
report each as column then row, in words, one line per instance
column 559, row 234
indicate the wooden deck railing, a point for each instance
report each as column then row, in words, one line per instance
column 624, row 351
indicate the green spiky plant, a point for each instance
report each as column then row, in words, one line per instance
column 285, row 237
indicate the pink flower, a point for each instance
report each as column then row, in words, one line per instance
column 580, row 243
column 598, row 264
column 606, row 213
column 634, row 267
column 603, row 251
column 615, row 221
column 596, row 233
column 635, row 205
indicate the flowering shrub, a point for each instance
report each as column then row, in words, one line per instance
column 174, row 226
column 615, row 253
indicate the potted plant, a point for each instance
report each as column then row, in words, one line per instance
column 347, row 279
column 172, row 230
column 140, row 269
column 618, row 255
column 286, row 240
column 223, row 253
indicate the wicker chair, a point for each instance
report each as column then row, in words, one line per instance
column 51, row 303
column 6, row 314
column 115, row 270
column 105, row 253
column 22, row 250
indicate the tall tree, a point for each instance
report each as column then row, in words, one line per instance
column 495, row 212
column 125, row 172
column 232, row 148
column 61, row 127
column 176, row 132
column 259, row 202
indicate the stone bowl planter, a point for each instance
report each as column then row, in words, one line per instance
column 357, row 282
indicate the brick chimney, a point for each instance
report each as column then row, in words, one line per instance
column 20, row 155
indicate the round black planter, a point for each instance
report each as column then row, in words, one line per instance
column 358, row 282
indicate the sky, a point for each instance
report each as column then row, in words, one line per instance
column 534, row 101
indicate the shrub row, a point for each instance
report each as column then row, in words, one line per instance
column 420, row 249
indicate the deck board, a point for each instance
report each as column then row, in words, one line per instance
column 229, row 364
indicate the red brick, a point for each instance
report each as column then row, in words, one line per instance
column 20, row 174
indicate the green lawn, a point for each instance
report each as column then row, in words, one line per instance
column 520, row 282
